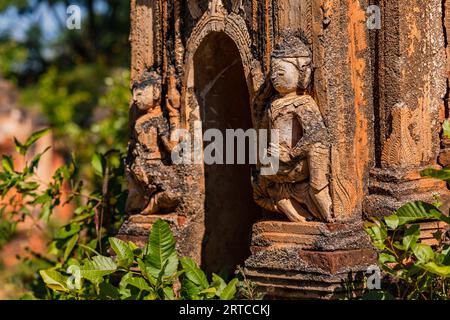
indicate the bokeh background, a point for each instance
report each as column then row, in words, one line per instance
column 75, row 82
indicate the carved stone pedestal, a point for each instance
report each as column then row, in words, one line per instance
column 390, row 189
column 309, row 260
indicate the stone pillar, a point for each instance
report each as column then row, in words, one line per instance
column 410, row 75
column 142, row 36
column 157, row 188
column 444, row 157
column 315, row 259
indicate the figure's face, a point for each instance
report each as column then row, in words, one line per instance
column 288, row 75
column 284, row 76
column 146, row 98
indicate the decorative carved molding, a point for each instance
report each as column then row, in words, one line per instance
column 400, row 148
column 235, row 27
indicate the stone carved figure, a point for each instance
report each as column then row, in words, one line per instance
column 150, row 176
column 300, row 188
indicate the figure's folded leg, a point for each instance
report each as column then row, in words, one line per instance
column 301, row 193
column 319, row 166
column 293, row 210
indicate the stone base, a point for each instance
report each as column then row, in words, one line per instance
column 389, row 190
column 309, row 260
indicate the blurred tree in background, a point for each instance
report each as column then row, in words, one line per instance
column 78, row 81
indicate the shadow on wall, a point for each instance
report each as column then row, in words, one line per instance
column 223, row 96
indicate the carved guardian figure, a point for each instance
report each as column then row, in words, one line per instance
column 300, row 188
column 156, row 192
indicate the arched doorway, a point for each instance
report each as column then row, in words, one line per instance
column 222, row 92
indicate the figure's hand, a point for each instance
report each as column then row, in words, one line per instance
column 273, row 150
column 301, row 150
column 277, row 151
column 169, row 144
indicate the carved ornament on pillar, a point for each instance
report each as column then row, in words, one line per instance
column 400, row 149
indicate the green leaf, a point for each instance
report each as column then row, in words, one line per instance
column 377, row 233
column 123, row 290
column 229, row 292
column 96, row 269
column 67, row 231
column 384, row 258
column 416, row 211
column 139, row 283
column 209, row 293
column 35, row 137
column 424, row 253
column 7, row 164
column 392, row 221
column 190, row 290
column 441, row 174
column 168, row 293
column 146, row 272
column 70, row 245
column 124, row 252
column 443, row 271
column 161, row 250
column 35, row 161
column 20, row 147
column 411, row 236
column 194, row 273
column 218, row 283
column 108, row 291
column 446, row 258
column 54, row 280
column 98, row 164
column 446, row 128
column 24, row 187
column 46, row 212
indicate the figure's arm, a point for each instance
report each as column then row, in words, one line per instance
column 262, row 198
column 314, row 130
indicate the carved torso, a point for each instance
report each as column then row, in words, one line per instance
column 299, row 124
column 150, row 131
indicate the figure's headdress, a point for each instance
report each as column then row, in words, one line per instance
column 292, row 46
column 148, row 79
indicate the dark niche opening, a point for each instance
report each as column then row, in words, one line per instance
column 230, row 211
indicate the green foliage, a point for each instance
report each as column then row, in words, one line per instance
column 149, row 274
column 79, row 80
column 418, row 271
column 96, row 214
column 99, row 124
column 58, row 105
column 13, row 56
